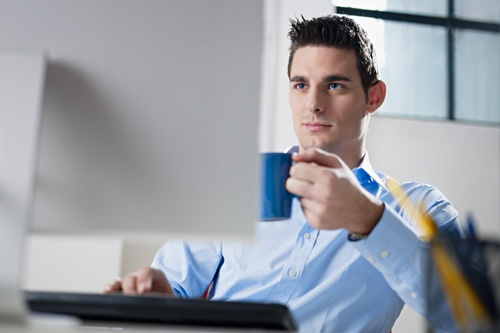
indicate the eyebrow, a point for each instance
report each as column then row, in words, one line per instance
column 298, row 79
column 328, row 78
column 331, row 78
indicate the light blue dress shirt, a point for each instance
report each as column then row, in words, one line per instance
column 329, row 283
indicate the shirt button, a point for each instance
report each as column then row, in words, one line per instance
column 371, row 259
column 292, row 273
column 384, row 254
column 413, row 295
column 307, row 236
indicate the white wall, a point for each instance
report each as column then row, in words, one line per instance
column 461, row 160
column 71, row 262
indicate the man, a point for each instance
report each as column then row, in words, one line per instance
column 350, row 256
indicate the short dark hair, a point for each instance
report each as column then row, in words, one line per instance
column 336, row 31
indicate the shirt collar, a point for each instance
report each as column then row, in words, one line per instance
column 370, row 174
column 364, row 172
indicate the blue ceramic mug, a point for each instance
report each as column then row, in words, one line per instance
column 275, row 200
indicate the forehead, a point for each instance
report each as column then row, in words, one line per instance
column 312, row 61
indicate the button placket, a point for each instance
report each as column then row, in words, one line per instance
column 295, row 264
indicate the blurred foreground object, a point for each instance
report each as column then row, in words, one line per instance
column 468, row 271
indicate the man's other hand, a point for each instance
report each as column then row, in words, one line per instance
column 330, row 194
column 144, row 280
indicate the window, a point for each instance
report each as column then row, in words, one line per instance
column 439, row 58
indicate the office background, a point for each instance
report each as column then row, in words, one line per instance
column 460, row 158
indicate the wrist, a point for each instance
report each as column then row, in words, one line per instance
column 367, row 222
column 353, row 237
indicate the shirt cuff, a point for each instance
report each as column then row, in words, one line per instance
column 390, row 244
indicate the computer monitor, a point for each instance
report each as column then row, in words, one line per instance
column 149, row 117
column 21, row 82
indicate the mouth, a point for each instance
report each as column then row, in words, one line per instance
column 316, row 127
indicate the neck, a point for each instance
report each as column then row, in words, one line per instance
column 352, row 156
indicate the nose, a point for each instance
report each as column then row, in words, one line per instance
column 315, row 102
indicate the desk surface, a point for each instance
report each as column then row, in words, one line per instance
column 56, row 324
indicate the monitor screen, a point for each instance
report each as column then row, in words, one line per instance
column 21, row 81
column 149, row 116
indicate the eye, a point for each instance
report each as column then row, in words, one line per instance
column 334, row 86
column 300, row 86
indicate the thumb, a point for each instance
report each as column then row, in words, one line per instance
column 144, row 280
column 320, row 157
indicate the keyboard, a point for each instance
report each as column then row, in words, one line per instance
column 161, row 309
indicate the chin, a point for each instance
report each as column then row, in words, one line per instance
column 328, row 147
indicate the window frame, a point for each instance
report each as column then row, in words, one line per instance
column 450, row 22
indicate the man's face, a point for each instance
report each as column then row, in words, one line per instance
column 328, row 102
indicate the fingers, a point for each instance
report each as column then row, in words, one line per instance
column 144, row 280
column 304, row 171
column 301, row 179
column 129, row 284
column 138, row 282
column 319, row 157
column 311, row 180
column 113, row 286
column 313, row 210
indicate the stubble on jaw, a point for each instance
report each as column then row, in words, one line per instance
column 330, row 148
column 351, row 150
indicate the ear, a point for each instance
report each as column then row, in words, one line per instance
column 376, row 96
